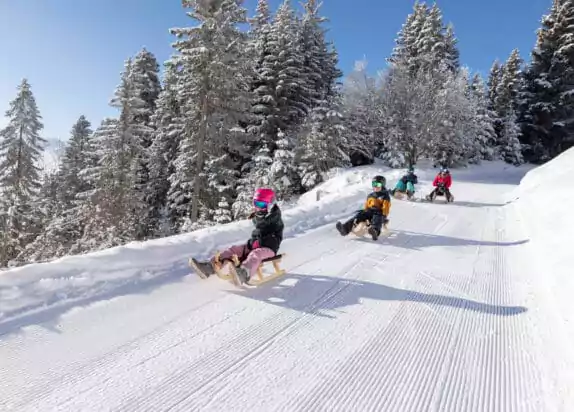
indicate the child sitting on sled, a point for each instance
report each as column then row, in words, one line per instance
column 441, row 183
column 263, row 244
column 376, row 210
column 406, row 184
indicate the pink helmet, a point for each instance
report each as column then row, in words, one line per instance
column 263, row 198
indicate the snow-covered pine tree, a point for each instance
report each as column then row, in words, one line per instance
column 430, row 45
column 494, row 77
column 510, row 148
column 283, row 174
column 483, row 122
column 506, row 99
column 215, row 96
column 104, row 207
column 169, row 129
column 21, row 148
column 291, row 96
column 406, row 50
column 128, row 156
column 562, row 72
column 322, row 144
column 223, row 212
column 63, row 226
column 265, row 120
column 451, row 52
column 74, row 162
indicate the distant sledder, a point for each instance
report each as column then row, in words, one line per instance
column 373, row 216
column 245, row 260
column 442, row 183
column 406, row 185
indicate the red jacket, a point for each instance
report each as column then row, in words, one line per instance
column 447, row 180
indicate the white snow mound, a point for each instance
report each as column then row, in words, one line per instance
column 545, row 198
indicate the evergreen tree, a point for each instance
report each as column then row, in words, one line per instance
column 223, row 214
column 322, row 144
column 283, row 176
column 169, row 126
column 484, row 121
column 510, row 148
column 215, row 96
column 506, row 99
column 21, row 148
column 493, row 82
column 291, row 95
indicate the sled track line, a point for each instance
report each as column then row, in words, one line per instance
column 191, row 378
column 76, row 375
column 218, row 383
column 383, row 373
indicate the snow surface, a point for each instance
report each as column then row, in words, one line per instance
column 453, row 312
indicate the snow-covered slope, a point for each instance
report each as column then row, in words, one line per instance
column 444, row 315
column 545, row 199
column 80, row 279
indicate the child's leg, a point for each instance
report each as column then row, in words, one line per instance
column 254, row 259
column 240, row 250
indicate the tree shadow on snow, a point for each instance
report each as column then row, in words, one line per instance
column 417, row 241
column 322, row 295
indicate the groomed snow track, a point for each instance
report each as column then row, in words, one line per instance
column 440, row 316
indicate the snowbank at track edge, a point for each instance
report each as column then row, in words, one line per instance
column 544, row 199
column 82, row 278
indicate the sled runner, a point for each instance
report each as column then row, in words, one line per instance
column 225, row 269
column 361, row 229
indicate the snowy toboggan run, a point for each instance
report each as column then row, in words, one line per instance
column 465, row 306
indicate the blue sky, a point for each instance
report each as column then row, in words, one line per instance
column 72, row 51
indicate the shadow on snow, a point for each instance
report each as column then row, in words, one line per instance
column 317, row 295
column 417, row 241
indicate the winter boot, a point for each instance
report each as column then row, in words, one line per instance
column 342, row 229
column 241, row 276
column 374, row 233
column 203, row 269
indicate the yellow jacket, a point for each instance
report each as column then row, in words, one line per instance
column 379, row 200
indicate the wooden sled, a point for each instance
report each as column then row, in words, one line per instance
column 402, row 195
column 230, row 265
column 361, row 229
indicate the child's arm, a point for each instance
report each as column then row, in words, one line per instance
column 386, row 206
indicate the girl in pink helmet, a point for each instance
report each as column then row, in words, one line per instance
column 263, row 244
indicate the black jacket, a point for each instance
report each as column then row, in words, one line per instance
column 410, row 178
column 268, row 229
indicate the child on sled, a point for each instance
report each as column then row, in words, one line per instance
column 441, row 183
column 376, row 210
column 406, row 184
column 263, row 244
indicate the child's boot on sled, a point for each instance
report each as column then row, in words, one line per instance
column 242, row 275
column 204, row 269
column 374, row 232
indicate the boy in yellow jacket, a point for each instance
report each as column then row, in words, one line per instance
column 376, row 210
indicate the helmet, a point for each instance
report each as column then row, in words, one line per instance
column 263, row 198
column 445, row 170
column 411, row 169
column 380, row 179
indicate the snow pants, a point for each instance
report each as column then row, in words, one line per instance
column 402, row 187
column 441, row 190
column 250, row 258
column 375, row 217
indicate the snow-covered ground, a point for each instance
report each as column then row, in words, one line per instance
column 453, row 312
